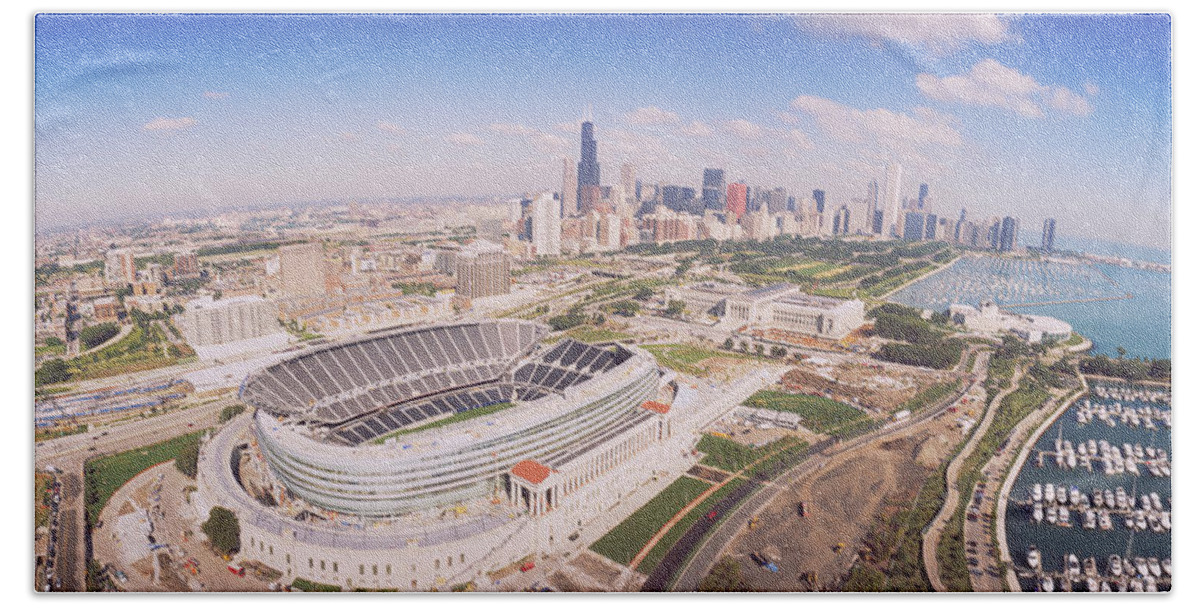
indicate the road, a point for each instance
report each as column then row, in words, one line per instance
column 934, row 533
column 68, row 454
column 711, row 548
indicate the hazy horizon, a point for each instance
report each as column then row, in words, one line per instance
column 1023, row 115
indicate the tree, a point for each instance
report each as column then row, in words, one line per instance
column 54, row 341
column 728, row 344
column 643, row 293
column 1121, row 352
column 223, row 530
column 758, row 349
column 726, row 575
column 230, row 412
column 187, row 458
column 52, row 372
column 96, row 335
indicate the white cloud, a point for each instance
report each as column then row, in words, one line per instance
column 1091, row 88
column 507, row 128
column 1066, row 100
column 937, row 34
column 464, row 139
column 215, row 95
column 880, row 126
column 696, row 129
column 786, row 118
column 744, row 129
column 570, row 128
column 799, row 139
column 170, row 124
column 993, row 84
column 652, row 115
column 546, row 142
column 389, row 127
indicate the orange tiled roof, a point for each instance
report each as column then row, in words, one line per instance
column 657, row 407
column 531, row 471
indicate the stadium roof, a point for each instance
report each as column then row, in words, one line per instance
column 657, row 407
column 531, row 471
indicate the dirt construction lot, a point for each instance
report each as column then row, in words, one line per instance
column 843, row 499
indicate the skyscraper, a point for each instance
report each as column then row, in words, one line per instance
column 302, row 270
column 1048, row 234
column 589, row 167
column 120, row 268
column 922, row 194
column 628, row 183
column 736, row 196
column 570, row 188
column 713, row 194
column 1008, row 234
column 482, row 269
column 914, row 226
column 871, row 225
column 891, row 200
column 841, row 221
column 546, row 220
column 819, row 196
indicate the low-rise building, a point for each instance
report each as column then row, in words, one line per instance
column 783, row 306
column 989, row 319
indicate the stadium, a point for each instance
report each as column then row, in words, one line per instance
column 428, row 456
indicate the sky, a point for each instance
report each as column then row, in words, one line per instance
column 1065, row 116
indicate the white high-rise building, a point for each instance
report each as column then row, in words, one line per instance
column 547, row 225
column 891, row 201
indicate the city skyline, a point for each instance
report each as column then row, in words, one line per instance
column 1005, row 115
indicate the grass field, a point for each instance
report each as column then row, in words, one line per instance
column 684, row 357
column 62, row 431
column 819, row 414
column 597, row 334
column 677, row 531
column 623, row 542
column 103, row 476
column 460, row 417
column 41, row 508
column 931, row 395
column 304, row 584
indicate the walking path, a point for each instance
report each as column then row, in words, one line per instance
column 1002, row 504
column 934, row 533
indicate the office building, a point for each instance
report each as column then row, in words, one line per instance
column 784, row 307
column 931, row 226
column 628, row 183
column 589, row 167
column 1048, row 234
column 736, row 199
column 302, row 270
column 1008, row 234
column 714, row 190
column 186, row 266
column 483, row 269
column 208, row 322
column 891, row 201
column 841, row 221
column 120, row 268
column 819, row 196
column 922, row 195
column 914, row 226
column 546, row 224
column 570, row 188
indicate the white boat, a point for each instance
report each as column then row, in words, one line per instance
column 1105, row 521
column 1082, row 450
column 1093, row 586
column 1145, row 502
column 1142, row 567
column 1051, row 515
column 1166, row 566
column 1098, row 497
column 1091, row 447
column 1035, row 493
column 1156, row 501
column 1135, row 586
column 1108, row 465
column 1151, row 585
column 1126, row 450
column 1034, row 557
column 1060, row 493
column 1071, row 566
column 1064, row 517
column 1048, row 492
column 1131, row 465
column 1089, row 522
column 1118, row 465
column 1109, row 500
column 1047, row 584
column 1138, row 451
column 1129, row 522
column 1105, row 588
column 1114, row 565
column 1072, row 461
column 1154, row 567
column 1139, row 518
column 1074, row 496
column 1038, row 513
column 1122, row 499
column 1165, row 520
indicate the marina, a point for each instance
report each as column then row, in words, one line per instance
column 1093, row 498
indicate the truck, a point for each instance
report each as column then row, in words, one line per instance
column 527, row 566
column 802, row 509
column 238, row 570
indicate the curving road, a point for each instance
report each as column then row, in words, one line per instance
column 933, row 534
column 714, row 545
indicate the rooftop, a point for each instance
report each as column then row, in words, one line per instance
column 531, row 471
column 657, row 407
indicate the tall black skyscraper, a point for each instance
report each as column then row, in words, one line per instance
column 589, row 168
column 1048, row 234
column 819, row 196
column 922, row 194
column 713, row 194
column 1009, row 228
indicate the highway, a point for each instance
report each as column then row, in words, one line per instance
column 68, row 455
